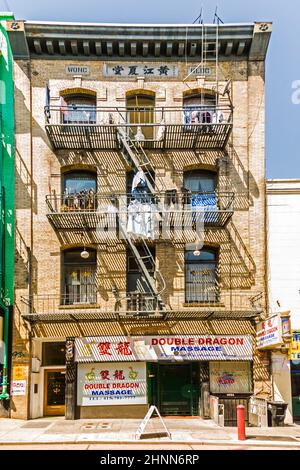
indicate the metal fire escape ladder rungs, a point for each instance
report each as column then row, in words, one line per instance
column 140, row 161
column 140, row 260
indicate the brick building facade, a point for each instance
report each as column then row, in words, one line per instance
column 182, row 107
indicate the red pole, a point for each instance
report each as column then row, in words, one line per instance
column 240, row 411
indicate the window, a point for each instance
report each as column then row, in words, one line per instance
column 200, row 181
column 79, row 190
column 140, row 297
column 140, row 110
column 79, row 277
column 77, row 109
column 54, row 354
column 200, row 191
column 199, row 109
column 201, row 280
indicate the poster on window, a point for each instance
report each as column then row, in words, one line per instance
column 230, row 377
column 114, row 383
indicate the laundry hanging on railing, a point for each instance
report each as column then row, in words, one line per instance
column 161, row 130
column 63, row 107
column 141, row 221
column 202, row 115
column 206, row 203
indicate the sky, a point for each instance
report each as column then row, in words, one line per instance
column 282, row 65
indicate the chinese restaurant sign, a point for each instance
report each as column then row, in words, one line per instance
column 140, row 70
column 230, row 377
column 113, row 383
column 157, row 348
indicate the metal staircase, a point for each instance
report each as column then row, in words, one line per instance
column 135, row 155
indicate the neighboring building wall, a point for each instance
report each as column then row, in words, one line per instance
column 7, row 214
column 283, row 247
column 283, row 199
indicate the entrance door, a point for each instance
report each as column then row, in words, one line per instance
column 175, row 388
column 54, row 393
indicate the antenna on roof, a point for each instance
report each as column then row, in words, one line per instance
column 199, row 18
column 217, row 19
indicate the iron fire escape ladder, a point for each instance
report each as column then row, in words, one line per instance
column 156, row 283
column 137, row 157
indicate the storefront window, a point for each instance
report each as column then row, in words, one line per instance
column 230, row 377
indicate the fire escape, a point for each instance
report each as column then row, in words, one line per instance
column 115, row 133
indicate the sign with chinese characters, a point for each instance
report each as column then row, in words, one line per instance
column 230, row 377
column 295, row 346
column 18, row 388
column 269, row 332
column 77, row 69
column 113, row 383
column 140, row 70
column 203, row 71
column 159, row 348
column 20, row 372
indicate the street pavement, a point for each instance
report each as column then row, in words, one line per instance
column 186, row 433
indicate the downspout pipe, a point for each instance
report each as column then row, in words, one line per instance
column 5, row 395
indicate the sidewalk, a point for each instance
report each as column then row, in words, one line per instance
column 185, row 430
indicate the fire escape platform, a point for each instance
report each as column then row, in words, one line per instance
column 170, row 315
column 105, row 137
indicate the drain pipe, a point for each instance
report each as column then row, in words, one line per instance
column 5, row 395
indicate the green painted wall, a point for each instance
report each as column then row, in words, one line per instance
column 6, row 165
column 7, row 205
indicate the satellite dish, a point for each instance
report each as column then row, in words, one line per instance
column 227, row 88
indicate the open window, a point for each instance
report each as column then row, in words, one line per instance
column 79, row 190
column 199, row 107
column 199, row 190
column 78, row 108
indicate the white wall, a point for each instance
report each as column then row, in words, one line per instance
column 281, row 375
column 283, row 201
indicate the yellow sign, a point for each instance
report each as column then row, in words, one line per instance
column 295, row 346
column 20, row 372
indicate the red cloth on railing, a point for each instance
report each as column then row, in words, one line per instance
column 63, row 106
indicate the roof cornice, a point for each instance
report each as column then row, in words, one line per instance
column 241, row 41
